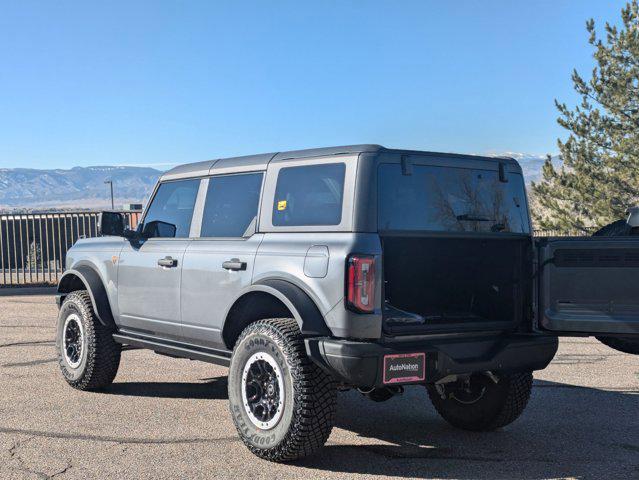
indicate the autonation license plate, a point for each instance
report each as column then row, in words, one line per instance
column 405, row 367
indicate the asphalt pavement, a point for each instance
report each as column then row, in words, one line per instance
column 168, row 418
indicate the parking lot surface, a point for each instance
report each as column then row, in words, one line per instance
column 168, row 418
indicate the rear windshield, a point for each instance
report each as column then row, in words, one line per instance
column 445, row 199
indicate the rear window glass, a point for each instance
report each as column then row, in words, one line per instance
column 449, row 199
column 309, row 195
column 231, row 205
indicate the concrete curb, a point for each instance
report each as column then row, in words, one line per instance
column 12, row 291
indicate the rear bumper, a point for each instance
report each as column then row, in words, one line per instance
column 361, row 363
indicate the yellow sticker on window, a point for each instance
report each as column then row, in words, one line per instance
column 281, row 205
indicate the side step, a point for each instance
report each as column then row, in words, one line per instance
column 219, row 357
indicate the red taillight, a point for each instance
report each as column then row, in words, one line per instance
column 360, row 283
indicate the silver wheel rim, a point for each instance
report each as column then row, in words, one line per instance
column 263, row 390
column 73, row 340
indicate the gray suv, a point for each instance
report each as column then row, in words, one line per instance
column 314, row 271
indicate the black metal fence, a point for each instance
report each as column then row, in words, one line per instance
column 33, row 246
column 586, row 232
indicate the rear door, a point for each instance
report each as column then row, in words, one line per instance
column 218, row 263
column 588, row 285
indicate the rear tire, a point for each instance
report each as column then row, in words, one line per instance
column 482, row 404
column 88, row 356
column 620, row 228
column 622, row 344
column 282, row 404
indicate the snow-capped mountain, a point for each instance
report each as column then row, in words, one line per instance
column 81, row 187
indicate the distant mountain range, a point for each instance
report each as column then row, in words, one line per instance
column 83, row 187
column 531, row 164
column 79, row 187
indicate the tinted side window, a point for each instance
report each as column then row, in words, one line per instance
column 171, row 210
column 309, row 195
column 231, row 205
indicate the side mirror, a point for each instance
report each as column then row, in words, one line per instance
column 159, row 229
column 111, row 224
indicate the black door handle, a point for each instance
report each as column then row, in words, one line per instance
column 234, row 264
column 168, row 262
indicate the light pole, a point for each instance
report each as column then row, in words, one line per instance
column 110, row 182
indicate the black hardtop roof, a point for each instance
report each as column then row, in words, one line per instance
column 261, row 161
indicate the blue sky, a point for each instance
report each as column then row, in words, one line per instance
column 166, row 82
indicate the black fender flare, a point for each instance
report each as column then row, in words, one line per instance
column 305, row 311
column 93, row 284
column 289, row 296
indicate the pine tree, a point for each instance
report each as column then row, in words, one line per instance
column 599, row 179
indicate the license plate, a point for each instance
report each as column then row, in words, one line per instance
column 405, row 367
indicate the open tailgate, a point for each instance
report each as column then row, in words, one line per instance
column 588, row 285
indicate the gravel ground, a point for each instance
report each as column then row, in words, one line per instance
column 168, row 418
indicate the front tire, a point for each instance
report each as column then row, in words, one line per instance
column 282, row 404
column 480, row 404
column 88, row 356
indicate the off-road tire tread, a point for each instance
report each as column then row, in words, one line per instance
column 103, row 352
column 315, row 394
column 621, row 344
column 486, row 418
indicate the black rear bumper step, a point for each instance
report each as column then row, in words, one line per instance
column 362, row 363
column 218, row 357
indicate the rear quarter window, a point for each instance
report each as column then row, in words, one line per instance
column 309, row 195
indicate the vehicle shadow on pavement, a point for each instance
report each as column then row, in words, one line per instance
column 210, row 388
column 566, row 431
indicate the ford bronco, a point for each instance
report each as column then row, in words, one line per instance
column 313, row 271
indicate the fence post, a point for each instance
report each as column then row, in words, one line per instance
column 55, row 239
column 15, row 251
column 4, row 272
